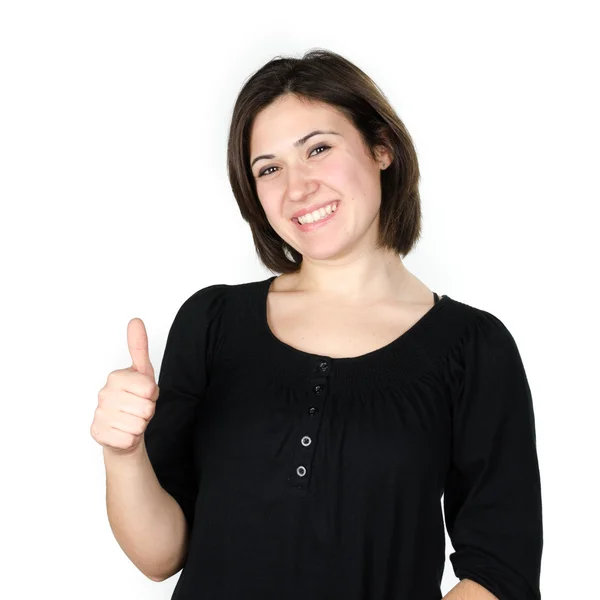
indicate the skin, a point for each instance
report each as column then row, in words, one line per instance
column 341, row 263
column 340, row 260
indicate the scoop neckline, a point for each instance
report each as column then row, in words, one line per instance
column 390, row 346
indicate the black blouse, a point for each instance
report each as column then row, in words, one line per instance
column 309, row 477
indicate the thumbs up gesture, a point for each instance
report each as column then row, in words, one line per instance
column 128, row 400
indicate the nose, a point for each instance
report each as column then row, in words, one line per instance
column 300, row 183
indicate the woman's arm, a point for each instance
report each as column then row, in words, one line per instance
column 146, row 521
column 466, row 589
column 492, row 496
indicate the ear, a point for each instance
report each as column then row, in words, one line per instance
column 384, row 155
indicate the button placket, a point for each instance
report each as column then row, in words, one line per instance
column 318, row 381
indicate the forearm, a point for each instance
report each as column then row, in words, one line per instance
column 466, row 589
column 146, row 521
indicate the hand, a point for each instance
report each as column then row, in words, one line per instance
column 128, row 400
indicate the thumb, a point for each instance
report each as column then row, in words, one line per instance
column 137, row 341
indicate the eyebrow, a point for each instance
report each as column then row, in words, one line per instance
column 297, row 144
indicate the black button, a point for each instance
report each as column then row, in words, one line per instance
column 312, row 411
column 323, row 365
column 318, row 389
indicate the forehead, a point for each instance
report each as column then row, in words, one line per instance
column 289, row 118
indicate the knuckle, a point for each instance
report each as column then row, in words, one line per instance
column 96, row 432
column 112, row 376
column 115, row 378
column 148, row 411
column 149, row 390
column 102, row 396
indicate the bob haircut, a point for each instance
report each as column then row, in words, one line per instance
column 326, row 77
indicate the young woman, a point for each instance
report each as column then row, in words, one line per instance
column 305, row 427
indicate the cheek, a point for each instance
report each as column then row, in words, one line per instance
column 270, row 202
column 345, row 173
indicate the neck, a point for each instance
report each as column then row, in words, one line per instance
column 363, row 280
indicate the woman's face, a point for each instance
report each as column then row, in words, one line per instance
column 331, row 168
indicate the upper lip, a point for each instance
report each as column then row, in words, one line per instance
column 310, row 208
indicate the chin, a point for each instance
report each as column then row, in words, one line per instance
column 323, row 253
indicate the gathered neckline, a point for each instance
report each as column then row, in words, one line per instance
column 373, row 354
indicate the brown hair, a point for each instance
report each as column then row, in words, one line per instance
column 324, row 76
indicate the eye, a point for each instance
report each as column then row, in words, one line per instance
column 325, row 146
column 266, row 171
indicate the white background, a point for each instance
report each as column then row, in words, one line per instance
column 116, row 204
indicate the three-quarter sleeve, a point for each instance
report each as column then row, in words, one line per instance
column 169, row 435
column 492, row 498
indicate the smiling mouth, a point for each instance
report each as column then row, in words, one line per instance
column 322, row 221
column 322, row 214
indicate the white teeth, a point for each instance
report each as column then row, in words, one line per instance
column 317, row 215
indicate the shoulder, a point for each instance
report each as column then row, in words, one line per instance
column 479, row 336
column 469, row 320
column 213, row 300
